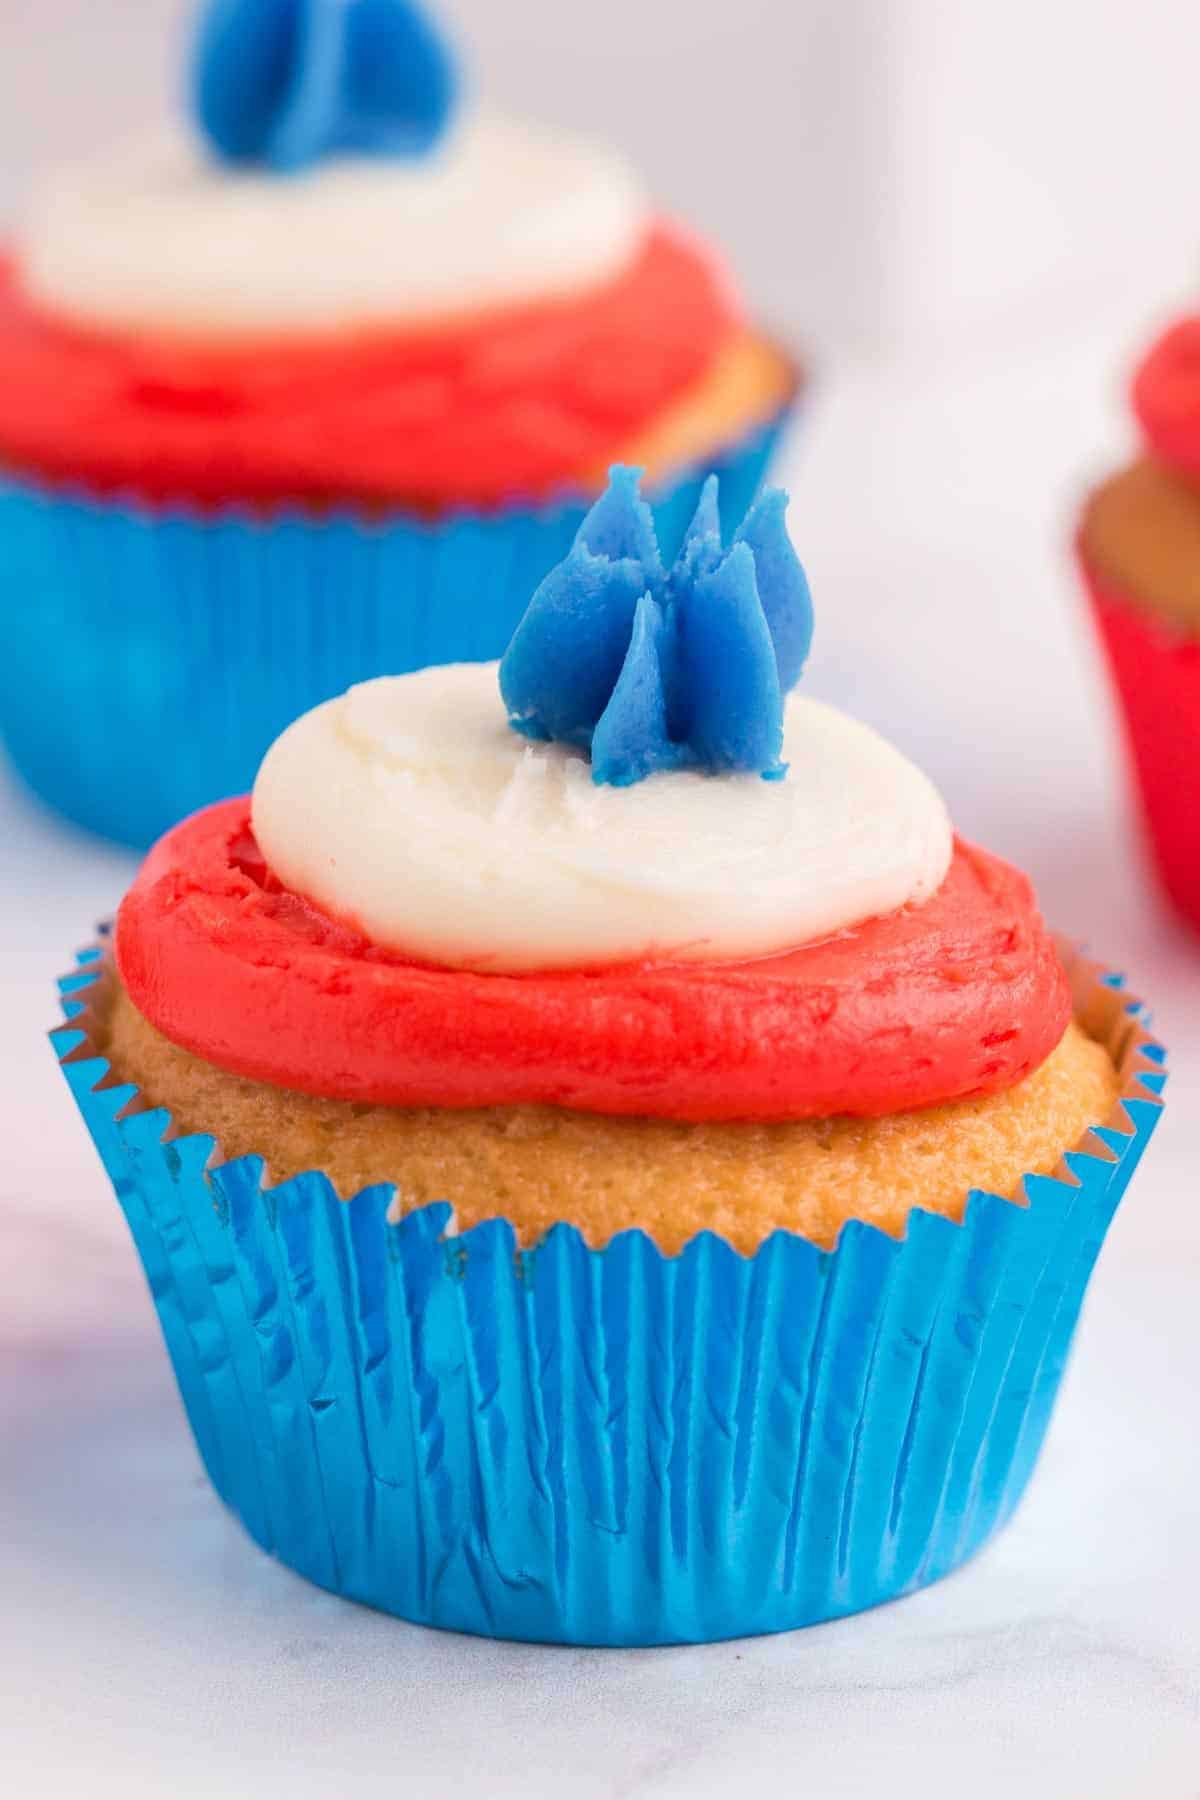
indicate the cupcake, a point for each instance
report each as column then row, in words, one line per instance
column 612, row 1167
column 1139, row 544
column 322, row 387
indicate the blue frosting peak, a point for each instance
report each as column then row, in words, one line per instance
column 651, row 668
column 286, row 82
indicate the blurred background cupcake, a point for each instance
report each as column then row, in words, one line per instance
column 318, row 387
column 1139, row 543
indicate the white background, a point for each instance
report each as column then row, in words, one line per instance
column 972, row 211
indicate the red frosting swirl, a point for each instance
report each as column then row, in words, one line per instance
column 963, row 995
column 491, row 407
column 1166, row 396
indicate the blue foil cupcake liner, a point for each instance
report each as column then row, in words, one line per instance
column 611, row 1446
column 120, row 620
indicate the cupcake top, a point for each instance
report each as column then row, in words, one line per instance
column 329, row 183
column 341, row 279
column 645, row 881
column 411, row 806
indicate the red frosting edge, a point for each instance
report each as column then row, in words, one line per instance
column 1166, row 396
column 515, row 403
column 963, row 995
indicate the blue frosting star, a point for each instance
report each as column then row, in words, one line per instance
column 649, row 668
column 286, row 82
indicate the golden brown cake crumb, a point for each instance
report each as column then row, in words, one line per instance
column 748, row 383
column 537, row 1165
column 1141, row 532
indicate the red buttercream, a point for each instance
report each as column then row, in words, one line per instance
column 495, row 406
column 1166, row 396
column 963, row 995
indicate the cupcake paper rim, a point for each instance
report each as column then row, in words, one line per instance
column 1141, row 1063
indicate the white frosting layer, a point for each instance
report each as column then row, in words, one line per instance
column 158, row 235
column 409, row 807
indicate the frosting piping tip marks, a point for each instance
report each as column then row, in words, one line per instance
column 652, row 669
column 283, row 83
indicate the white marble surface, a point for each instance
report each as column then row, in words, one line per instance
column 146, row 1647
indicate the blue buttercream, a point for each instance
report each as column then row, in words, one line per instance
column 651, row 668
column 286, row 82
column 632, row 737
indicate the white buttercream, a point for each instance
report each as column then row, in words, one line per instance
column 409, row 807
column 157, row 235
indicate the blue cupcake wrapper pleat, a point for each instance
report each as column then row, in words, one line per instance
column 148, row 657
column 611, row 1446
